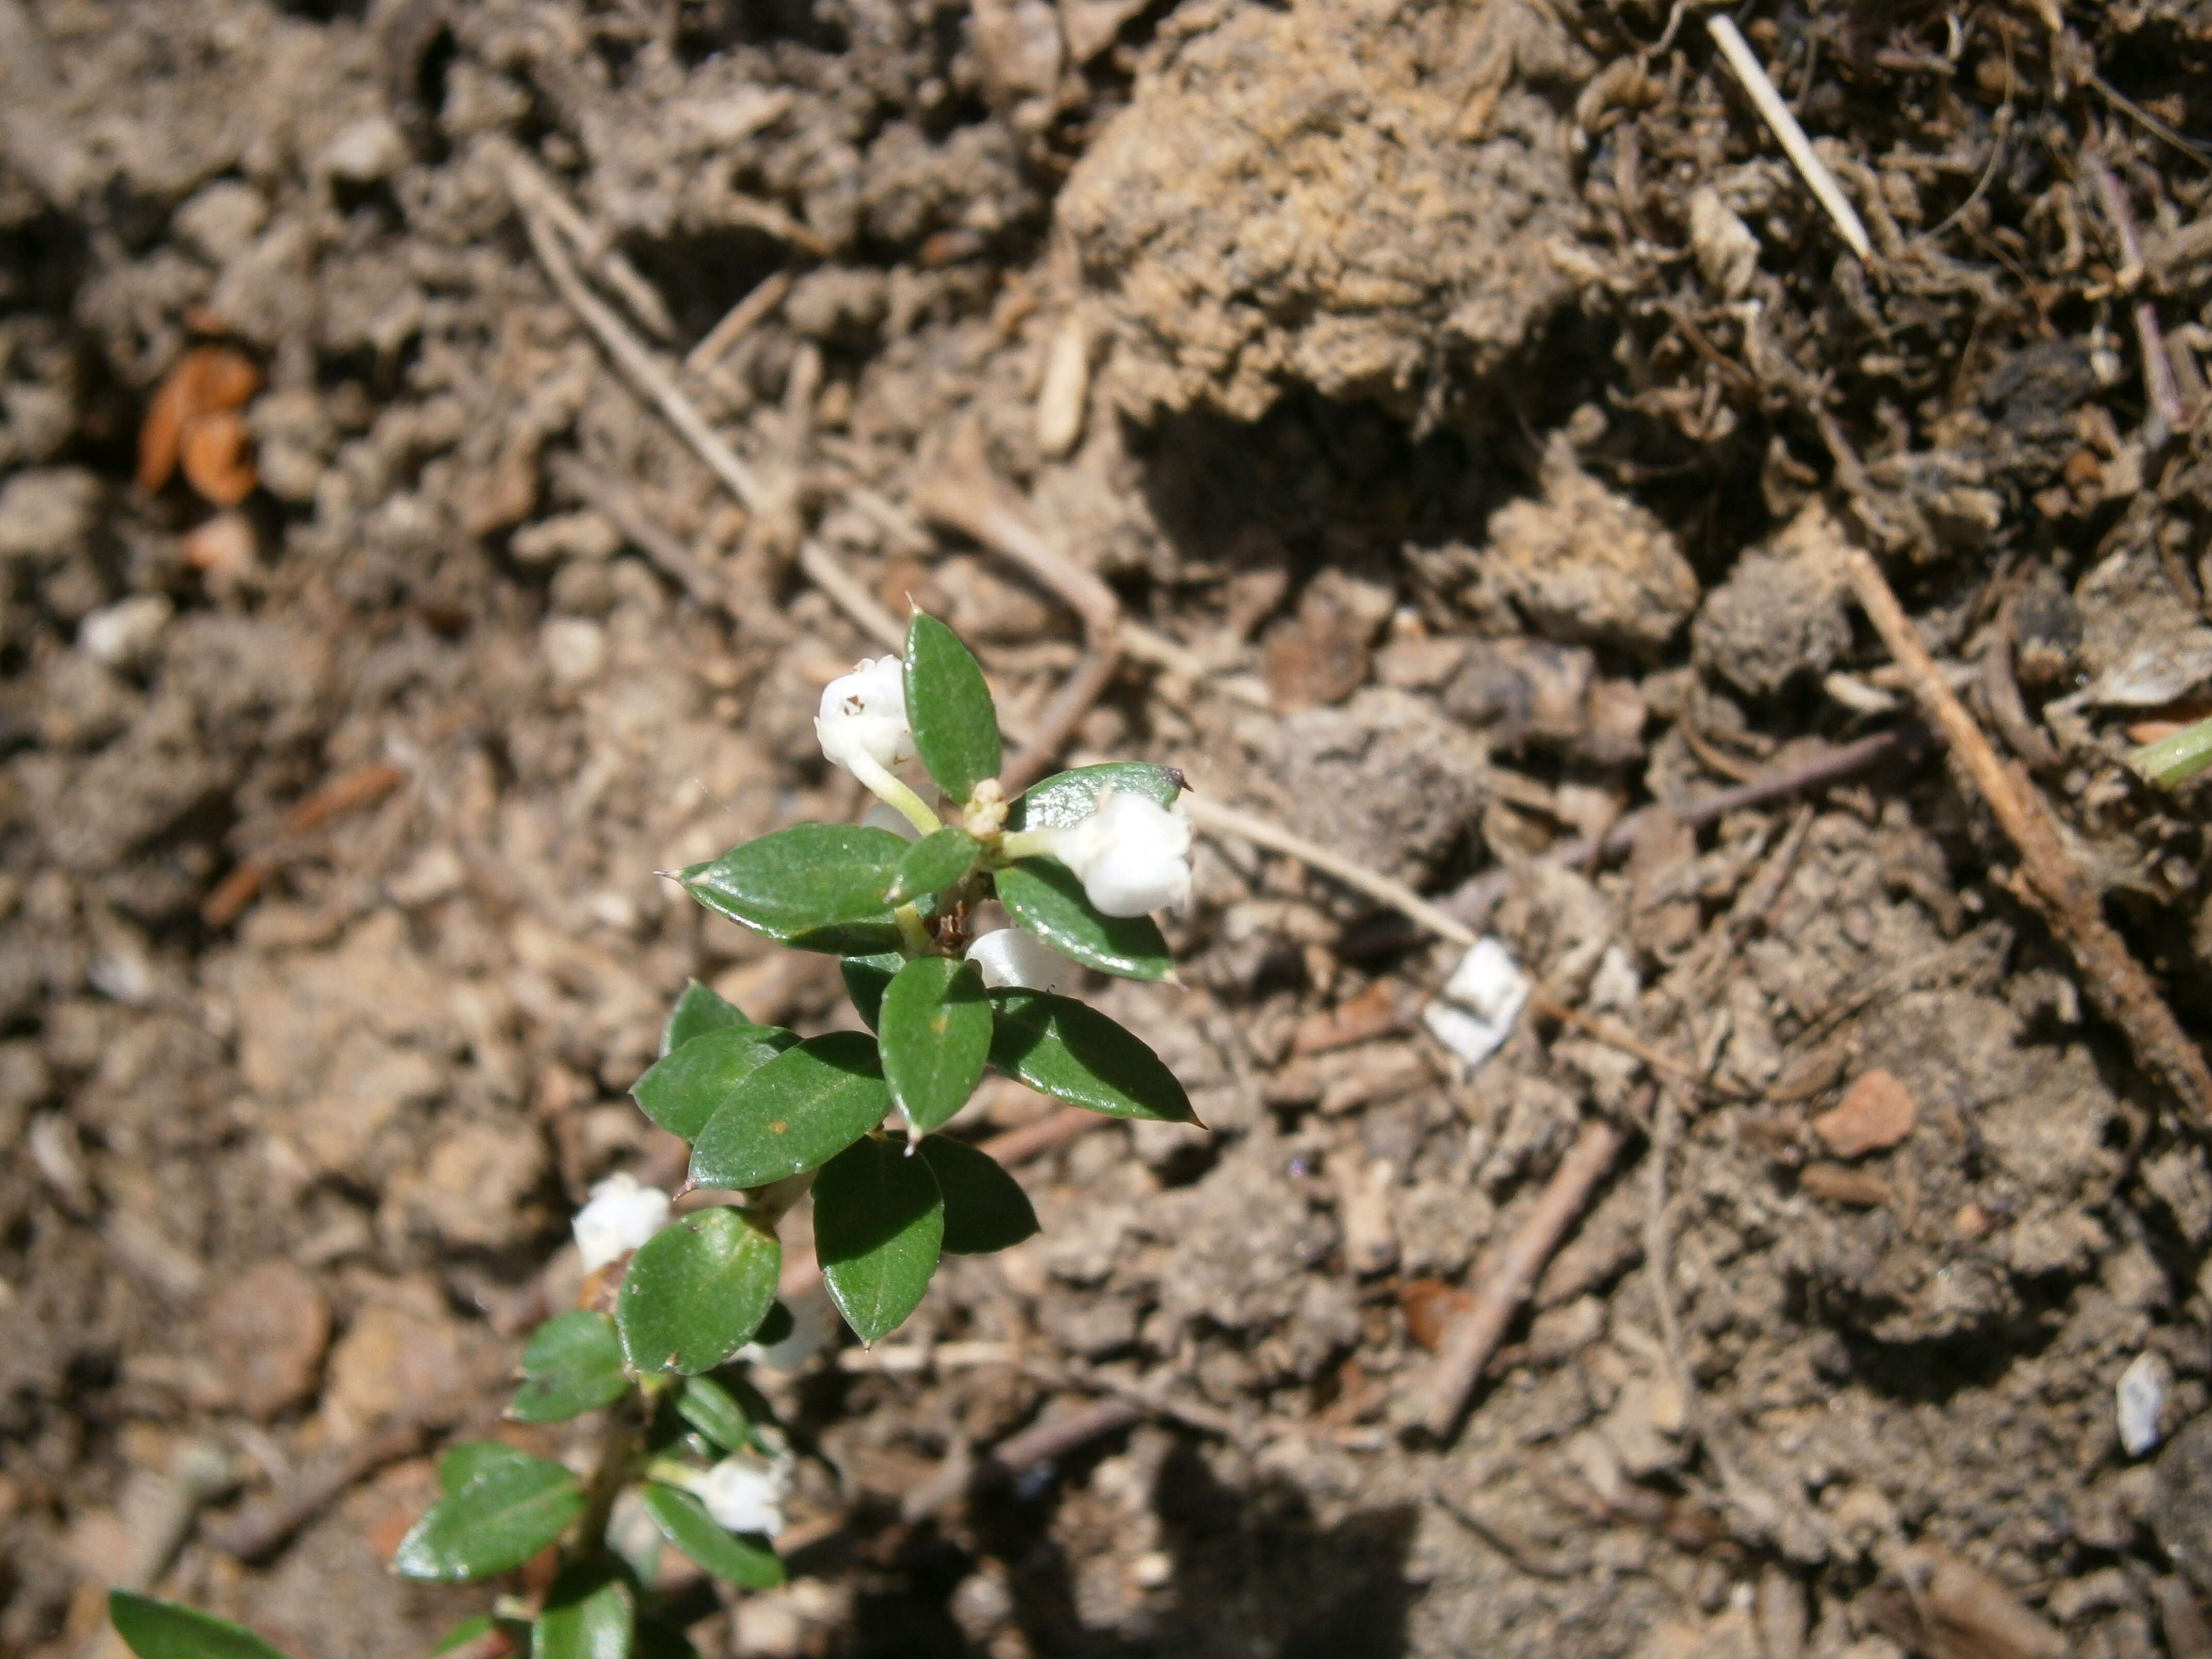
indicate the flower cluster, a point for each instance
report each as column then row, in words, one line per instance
column 1131, row 854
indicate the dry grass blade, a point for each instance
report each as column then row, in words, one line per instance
column 1791, row 136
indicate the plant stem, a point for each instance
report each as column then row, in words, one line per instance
column 1026, row 844
column 895, row 794
column 624, row 1436
column 914, row 938
column 2177, row 758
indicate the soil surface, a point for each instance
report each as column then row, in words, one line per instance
column 1475, row 407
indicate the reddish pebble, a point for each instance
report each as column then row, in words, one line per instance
column 1875, row 1114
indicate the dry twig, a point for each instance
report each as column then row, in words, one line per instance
column 1473, row 897
column 739, row 320
column 2159, row 388
column 2051, row 882
column 361, row 786
column 593, row 245
column 635, row 359
column 1473, row 1335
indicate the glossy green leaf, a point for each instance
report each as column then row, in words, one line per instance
column 687, row 1087
column 794, row 1113
column 685, row 1523
column 696, row 1012
column 935, row 1035
column 155, row 1629
column 814, row 886
column 696, row 1293
column 1069, row 1050
column 509, row 1508
column 1057, row 801
column 866, row 979
column 589, row 1613
column 573, row 1364
column 879, row 1226
column 462, row 1463
column 956, row 727
column 1043, row 895
column 713, row 1410
column 516, row 1630
column 984, row 1208
column 934, row 863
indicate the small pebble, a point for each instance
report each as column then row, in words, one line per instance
column 122, row 634
column 2139, row 1398
column 1875, row 1114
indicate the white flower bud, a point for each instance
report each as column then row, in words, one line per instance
column 620, row 1216
column 1015, row 957
column 863, row 716
column 1131, row 854
column 744, row 1493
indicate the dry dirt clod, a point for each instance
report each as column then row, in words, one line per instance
column 1585, row 563
column 1330, row 163
column 268, row 1328
column 1876, row 1113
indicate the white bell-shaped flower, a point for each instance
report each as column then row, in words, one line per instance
column 744, row 1493
column 1014, row 957
column 619, row 1216
column 863, row 716
column 1131, row 854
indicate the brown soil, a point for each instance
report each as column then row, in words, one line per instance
column 1481, row 401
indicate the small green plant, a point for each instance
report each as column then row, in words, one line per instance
column 674, row 1305
column 2177, row 757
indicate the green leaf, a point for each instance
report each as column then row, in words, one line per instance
column 1063, row 799
column 685, row 1523
column 878, row 1225
column 866, row 979
column 516, row 1630
column 464, row 1463
column 696, row 1293
column 814, row 886
column 696, row 1012
column 984, row 1208
column 588, row 1615
column 507, row 1511
column 794, row 1113
column 1043, row 895
column 573, row 1364
column 936, row 1034
column 713, row 1410
column 687, row 1087
column 934, row 863
column 1069, row 1050
column 153, row 1629
column 956, row 728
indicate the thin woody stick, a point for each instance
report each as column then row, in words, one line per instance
column 2158, row 387
column 637, row 362
column 2052, row 881
column 1795, row 145
column 1471, row 1338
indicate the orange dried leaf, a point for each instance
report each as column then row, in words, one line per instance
column 213, row 457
